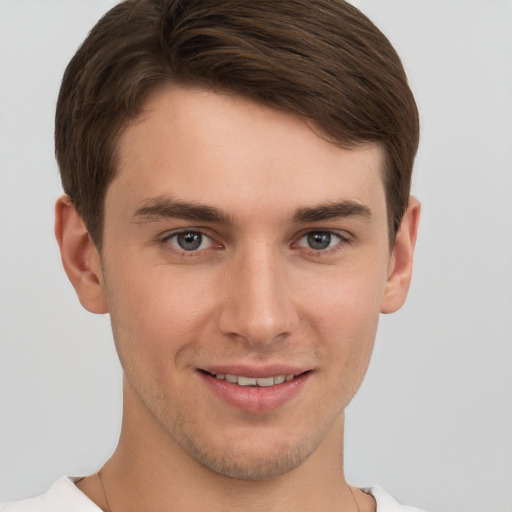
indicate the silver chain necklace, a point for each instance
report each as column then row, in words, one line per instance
column 110, row 508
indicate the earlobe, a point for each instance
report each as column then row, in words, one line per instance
column 400, row 266
column 79, row 256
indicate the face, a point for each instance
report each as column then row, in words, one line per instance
column 245, row 263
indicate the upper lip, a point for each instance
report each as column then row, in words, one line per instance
column 255, row 371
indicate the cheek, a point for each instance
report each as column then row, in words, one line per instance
column 348, row 298
column 345, row 316
column 155, row 315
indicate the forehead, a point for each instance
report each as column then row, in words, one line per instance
column 237, row 155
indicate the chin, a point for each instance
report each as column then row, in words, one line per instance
column 250, row 463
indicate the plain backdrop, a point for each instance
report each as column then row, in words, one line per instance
column 432, row 422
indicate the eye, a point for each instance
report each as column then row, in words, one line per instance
column 189, row 241
column 319, row 240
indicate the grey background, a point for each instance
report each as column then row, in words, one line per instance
column 433, row 420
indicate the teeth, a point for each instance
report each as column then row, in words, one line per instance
column 264, row 381
column 247, row 381
column 253, row 381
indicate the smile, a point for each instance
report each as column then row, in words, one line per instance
column 258, row 391
column 254, row 381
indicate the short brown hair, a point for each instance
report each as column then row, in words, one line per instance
column 321, row 59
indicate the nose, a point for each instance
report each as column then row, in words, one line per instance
column 258, row 307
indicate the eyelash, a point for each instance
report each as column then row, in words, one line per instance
column 342, row 240
column 183, row 252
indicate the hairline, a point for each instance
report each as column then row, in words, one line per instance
column 169, row 82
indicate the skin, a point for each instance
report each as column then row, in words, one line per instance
column 254, row 293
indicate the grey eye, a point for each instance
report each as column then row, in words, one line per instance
column 189, row 240
column 319, row 240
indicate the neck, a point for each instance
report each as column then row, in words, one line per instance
column 150, row 471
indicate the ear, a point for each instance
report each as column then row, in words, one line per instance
column 80, row 257
column 400, row 265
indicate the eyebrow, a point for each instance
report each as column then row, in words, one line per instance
column 159, row 208
column 331, row 210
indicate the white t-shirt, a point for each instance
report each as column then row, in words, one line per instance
column 64, row 496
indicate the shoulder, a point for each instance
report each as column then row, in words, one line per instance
column 385, row 502
column 63, row 496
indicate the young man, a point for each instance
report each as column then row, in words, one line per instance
column 237, row 181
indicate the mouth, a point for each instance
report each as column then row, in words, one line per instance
column 256, row 391
column 264, row 382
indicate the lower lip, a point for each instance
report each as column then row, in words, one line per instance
column 256, row 399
